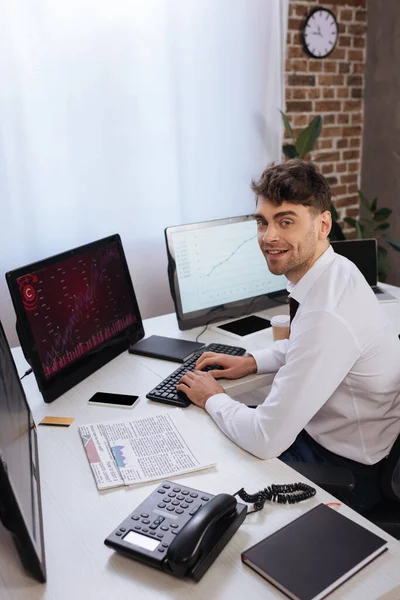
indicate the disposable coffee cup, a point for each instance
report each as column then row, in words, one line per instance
column 280, row 327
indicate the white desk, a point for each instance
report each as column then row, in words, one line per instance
column 77, row 518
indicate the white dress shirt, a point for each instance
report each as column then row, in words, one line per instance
column 338, row 375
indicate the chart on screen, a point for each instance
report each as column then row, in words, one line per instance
column 222, row 264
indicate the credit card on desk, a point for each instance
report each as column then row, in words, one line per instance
column 166, row 348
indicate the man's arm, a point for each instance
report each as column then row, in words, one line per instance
column 319, row 357
column 234, row 367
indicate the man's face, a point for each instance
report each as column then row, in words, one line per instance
column 291, row 236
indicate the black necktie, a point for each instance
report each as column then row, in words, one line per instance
column 293, row 306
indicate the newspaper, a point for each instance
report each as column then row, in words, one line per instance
column 139, row 450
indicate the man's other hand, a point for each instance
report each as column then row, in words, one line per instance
column 199, row 387
column 233, row 367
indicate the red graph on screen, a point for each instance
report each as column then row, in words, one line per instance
column 77, row 305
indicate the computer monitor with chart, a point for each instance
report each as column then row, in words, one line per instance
column 75, row 312
column 217, row 271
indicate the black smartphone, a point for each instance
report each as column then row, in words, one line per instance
column 246, row 326
column 116, row 400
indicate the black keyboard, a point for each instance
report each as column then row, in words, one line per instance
column 166, row 390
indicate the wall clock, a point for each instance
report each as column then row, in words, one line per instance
column 320, row 33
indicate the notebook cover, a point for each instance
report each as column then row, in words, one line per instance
column 166, row 348
column 314, row 554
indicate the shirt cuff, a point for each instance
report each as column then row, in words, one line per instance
column 267, row 361
column 215, row 403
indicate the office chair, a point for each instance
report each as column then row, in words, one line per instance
column 336, row 480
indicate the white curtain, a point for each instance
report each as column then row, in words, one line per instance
column 129, row 116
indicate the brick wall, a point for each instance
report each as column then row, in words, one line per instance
column 333, row 88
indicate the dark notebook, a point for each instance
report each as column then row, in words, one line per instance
column 166, row 348
column 311, row 556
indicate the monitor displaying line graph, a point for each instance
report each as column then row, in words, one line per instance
column 218, row 263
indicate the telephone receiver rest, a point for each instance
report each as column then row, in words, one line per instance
column 188, row 546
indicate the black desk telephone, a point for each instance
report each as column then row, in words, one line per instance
column 178, row 529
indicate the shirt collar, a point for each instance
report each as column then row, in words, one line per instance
column 300, row 290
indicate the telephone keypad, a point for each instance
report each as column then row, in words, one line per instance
column 178, row 505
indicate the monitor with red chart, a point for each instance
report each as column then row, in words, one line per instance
column 75, row 312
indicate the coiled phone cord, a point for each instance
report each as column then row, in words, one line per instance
column 283, row 494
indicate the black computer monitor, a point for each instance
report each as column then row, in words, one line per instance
column 20, row 501
column 363, row 253
column 217, row 271
column 75, row 312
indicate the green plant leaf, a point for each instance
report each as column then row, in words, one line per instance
column 382, row 275
column 382, row 252
column 306, row 139
column 382, row 226
column 352, row 222
column 363, row 200
column 358, row 231
column 393, row 244
column 287, row 124
column 289, row 150
column 374, row 204
column 334, row 212
column 336, row 232
column 323, row 157
column 382, row 214
column 383, row 268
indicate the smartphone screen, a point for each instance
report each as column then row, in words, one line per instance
column 247, row 325
column 113, row 399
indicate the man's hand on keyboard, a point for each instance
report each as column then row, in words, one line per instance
column 199, row 387
column 233, row 367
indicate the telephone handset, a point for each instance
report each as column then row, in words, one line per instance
column 200, row 535
column 179, row 529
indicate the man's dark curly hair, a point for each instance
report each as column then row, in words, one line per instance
column 296, row 181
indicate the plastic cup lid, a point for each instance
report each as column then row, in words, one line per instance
column 280, row 321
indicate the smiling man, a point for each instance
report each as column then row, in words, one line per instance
column 336, row 396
